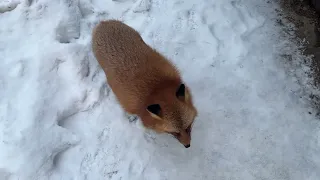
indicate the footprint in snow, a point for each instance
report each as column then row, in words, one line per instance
column 69, row 26
column 142, row 6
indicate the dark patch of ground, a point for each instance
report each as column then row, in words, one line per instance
column 303, row 14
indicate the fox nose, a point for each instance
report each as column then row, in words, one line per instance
column 187, row 146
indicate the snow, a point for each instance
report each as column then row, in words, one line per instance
column 60, row 120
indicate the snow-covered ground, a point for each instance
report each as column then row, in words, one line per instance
column 59, row 119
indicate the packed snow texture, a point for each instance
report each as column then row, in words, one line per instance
column 60, row 120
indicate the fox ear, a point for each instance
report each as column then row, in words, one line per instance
column 181, row 93
column 154, row 110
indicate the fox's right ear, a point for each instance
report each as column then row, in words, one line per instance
column 154, row 110
column 182, row 93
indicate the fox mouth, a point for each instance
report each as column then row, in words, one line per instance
column 175, row 137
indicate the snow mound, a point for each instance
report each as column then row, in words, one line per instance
column 8, row 5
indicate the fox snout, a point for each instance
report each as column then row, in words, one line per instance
column 184, row 138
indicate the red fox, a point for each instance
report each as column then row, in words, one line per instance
column 145, row 83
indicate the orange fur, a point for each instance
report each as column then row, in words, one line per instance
column 139, row 76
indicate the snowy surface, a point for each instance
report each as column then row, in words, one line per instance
column 59, row 120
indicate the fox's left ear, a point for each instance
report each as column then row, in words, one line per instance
column 181, row 93
column 154, row 110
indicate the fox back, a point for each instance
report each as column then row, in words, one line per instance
column 145, row 82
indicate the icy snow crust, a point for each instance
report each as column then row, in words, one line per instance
column 60, row 120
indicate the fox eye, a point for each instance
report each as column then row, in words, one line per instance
column 188, row 130
column 175, row 134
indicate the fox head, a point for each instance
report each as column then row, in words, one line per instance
column 171, row 111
